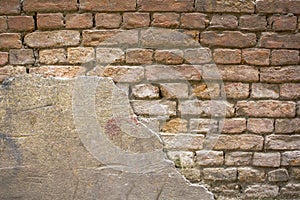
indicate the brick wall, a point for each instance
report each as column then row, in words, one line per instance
column 254, row 44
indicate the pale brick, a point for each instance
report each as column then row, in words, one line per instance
column 298, row 108
column 290, row 158
column 206, row 90
column 10, row 41
column 166, row 20
column 139, row 56
column 287, row 125
column 194, row 20
column 266, row 159
column 166, row 5
column 152, row 123
column 253, row 22
column 81, row 55
column 250, row 175
column 193, row 175
column 260, row 125
column 290, row 90
column 283, row 22
column 280, row 74
column 52, row 39
column 197, row 56
column 295, row 173
column 58, row 71
column 79, row 21
column 261, row 90
column 111, row 5
column 10, row 71
column 52, row 56
column 136, row 20
column 176, row 125
column 227, row 56
column 238, row 158
column 283, row 142
column 3, row 58
column 224, row 21
column 145, row 91
column 169, row 57
column 20, row 23
column 125, row 74
column 291, row 190
column 203, row 126
column 209, row 158
column 154, row 108
column 285, row 57
column 108, row 20
column 274, row 6
column 284, row 41
column 174, row 90
column 233, row 125
column 261, row 191
column 220, row 174
column 183, row 141
column 21, row 56
column 46, row 5
column 256, row 56
column 236, row 90
column 222, row 6
column 182, row 159
column 266, row 108
column 109, row 55
column 278, row 175
column 50, row 21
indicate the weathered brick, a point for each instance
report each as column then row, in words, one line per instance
column 108, row 20
column 10, row 41
column 283, row 142
column 125, row 74
column 260, row 125
column 3, row 58
column 236, row 90
column 111, row 5
column 253, row 22
column 9, row 7
column 261, row 191
column 145, row 91
column 274, row 6
column 295, row 174
column 52, row 39
column 58, row 71
column 109, row 55
column 20, row 23
column 224, row 21
column 166, row 5
column 222, row 6
column 220, row 174
column 46, row 5
column 139, row 56
column 194, row 20
column 136, row 20
column 290, row 90
column 81, row 55
column 176, row 125
column 266, row 159
column 227, row 56
column 182, row 159
column 203, row 126
column 284, row 41
column 233, row 125
column 167, row 73
column 280, row 74
column 262, row 90
column 250, row 175
column 285, row 57
column 283, row 22
column 166, row 20
column 155, row 108
column 169, row 57
column 206, row 90
column 3, row 24
column 291, row 190
column 21, row 56
column 50, row 21
column 256, row 56
column 298, row 108
column 278, row 175
column 266, row 108
column 197, row 56
column 209, row 158
column 10, row 71
column 77, row 21
column 193, row 175
column 206, row 108
column 238, row 158
column 239, row 142
column 287, row 125
column 174, row 90
column 183, row 141
column 290, row 158
column 52, row 56
column 228, row 39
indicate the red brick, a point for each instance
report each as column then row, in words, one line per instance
column 50, row 21
column 283, row 22
column 166, row 5
column 21, row 56
column 3, row 24
column 275, row 40
column 10, row 41
column 224, row 21
column 233, row 125
column 136, row 20
column 260, row 125
column 49, row 5
column 20, row 23
column 256, row 56
column 139, row 56
column 253, row 22
column 275, row 6
column 290, row 90
column 84, row 20
column 3, row 58
column 169, row 57
column 236, row 90
column 9, row 7
column 166, row 20
column 194, row 20
column 227, row 56
column 280, row 74
column 108, row 20
column 222, row 6
column 228, row 39
column 111, row 5
column 285, row 57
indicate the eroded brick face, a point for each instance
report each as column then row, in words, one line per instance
column 189, row 68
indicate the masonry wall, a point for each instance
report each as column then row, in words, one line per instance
column 255, row 45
